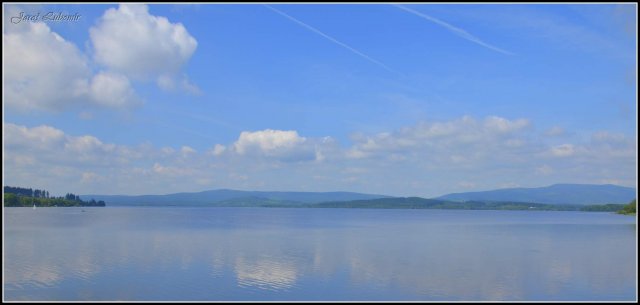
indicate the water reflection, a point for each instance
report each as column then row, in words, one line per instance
column 495, row 263
column 265, row 273
column 303, row 254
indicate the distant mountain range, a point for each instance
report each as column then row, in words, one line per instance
column 232, row 198
column 580, row 194
column 558, row 194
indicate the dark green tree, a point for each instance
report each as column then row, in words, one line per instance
column 11, row 200
column 630, row 208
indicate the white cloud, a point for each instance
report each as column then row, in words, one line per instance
column 169, row 82
column 611, row 145
column 491, row 148
column 602, row 146
column 606, row 156
column 267, row 140
column 186, row 150
column 611, row 139
column 423, row 159
column 142, row 46
column 355, row 153
column 43, row 71
column 167, row 150
column 40, row 137
column 166, row 82
column 188, row 87
column 278, row 144
column 112, row 90
column 563, row 150
column 87, row 144
column 457, row 140
column 218, row 150
column 502, row 125
column 45, row 144
column 171, row 171
column 544, row 170
column 44, row 156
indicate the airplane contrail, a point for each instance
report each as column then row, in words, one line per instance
column 458, row 31
column 365, row 56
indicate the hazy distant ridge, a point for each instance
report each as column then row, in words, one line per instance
column 582, row 194
column 564, row 194
column 231, row 197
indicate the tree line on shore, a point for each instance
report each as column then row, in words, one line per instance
column 629, row 209
column 26, row 197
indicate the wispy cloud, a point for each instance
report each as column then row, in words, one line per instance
column 458, row 31
column 365, row 56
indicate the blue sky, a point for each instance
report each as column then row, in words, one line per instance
column 411, row 100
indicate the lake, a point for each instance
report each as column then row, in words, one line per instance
column 248, row 254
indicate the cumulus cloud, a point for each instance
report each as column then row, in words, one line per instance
column 45, row 143
column 278, row 144
column 450, row 140
column 171, row 170
column 502, row 125
column 611, row 145
column 434, row 157
column 218, row 150
column 142, row 46
column 607, row 138
column 168, row 82
column 47, row 156
column 44, row 155
column 40, row 137
column 563, row 150
column 112, row 90
column 490, row 148
column 43, row 71
column 267, row 140
column 601, row 145
column 605, row 156
column 186, row 150
column 86, row 144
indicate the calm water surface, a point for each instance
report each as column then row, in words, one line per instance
column 204, row 254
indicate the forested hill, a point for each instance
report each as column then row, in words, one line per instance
column 226, row 197
column 27, row 197
column 581, row 194
column 422, row 203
